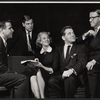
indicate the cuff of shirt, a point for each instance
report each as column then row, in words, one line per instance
column 74, row 72
column 83, row 37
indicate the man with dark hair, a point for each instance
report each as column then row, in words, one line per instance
column 71, row 61
column 10, row 79
column 92, row 40
column 24, row 39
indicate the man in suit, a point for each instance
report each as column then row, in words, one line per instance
column 24, row 40
column 10, row 79
column 92, row 40
column 71, row 61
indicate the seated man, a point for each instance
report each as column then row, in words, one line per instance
column 9, row 78
column 71, row 61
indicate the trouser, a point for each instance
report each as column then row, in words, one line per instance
column 94, row 83
column 70, row 85
column 16, row 81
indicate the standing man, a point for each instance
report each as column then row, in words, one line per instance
column 9, row 78
column 24, row 39
column 71, row 62
column 92, row 39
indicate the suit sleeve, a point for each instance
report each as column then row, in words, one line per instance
column 97, row 59
column 56, row 61
column 2, row 65
column 96, row 51
column 81, row 60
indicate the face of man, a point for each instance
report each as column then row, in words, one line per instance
column 94, row 19
column 69, row 36
column 8, row 30
column 28, row 25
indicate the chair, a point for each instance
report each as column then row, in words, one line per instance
column 6, row 93
column 80, row 92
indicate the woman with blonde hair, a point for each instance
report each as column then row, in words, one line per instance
column 45, row 65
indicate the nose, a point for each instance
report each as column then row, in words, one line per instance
column 31, row 24
column 72, row 34
column 90, row 20
column 12, row 30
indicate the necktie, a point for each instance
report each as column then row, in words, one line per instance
column 67, row 52
column 30, row 40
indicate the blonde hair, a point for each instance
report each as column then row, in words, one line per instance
column 38, row 41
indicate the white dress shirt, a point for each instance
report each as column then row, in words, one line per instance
column 4, row 41
column 28, row 43
column 98, row 28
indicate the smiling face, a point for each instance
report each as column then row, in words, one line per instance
column 28, row 25
column 94, row 19
column 69, row 36
column 45, row 40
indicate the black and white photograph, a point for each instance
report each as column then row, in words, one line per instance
column 49, row 50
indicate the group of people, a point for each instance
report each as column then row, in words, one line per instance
column 63, row 69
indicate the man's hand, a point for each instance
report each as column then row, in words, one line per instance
column 92, row 33
column 89, row 33
column 90, row 64
column 67, row 73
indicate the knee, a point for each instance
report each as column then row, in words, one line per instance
column 32, row 78
column 23, row 77
column 70, row 79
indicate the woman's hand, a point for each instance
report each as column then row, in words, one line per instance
column 50, row 70
column 40, row 65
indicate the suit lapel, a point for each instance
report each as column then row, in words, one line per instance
column 62, row 54
column 95, row 40
column 3, row 46
column 24, row 37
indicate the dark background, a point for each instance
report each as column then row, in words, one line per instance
column 50, row 16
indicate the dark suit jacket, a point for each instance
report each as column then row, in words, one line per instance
column 19, row 45
column 93, row 50
column 3, row 57
column 77, row 59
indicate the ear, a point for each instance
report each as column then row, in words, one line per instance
column 63, row 38
column 23, row 24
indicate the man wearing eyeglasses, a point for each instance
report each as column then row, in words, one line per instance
column 92, row 40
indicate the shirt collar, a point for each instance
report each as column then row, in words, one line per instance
column 27, row 32
column 66, row 45
column 98, row 27
column 48, row 50
column 4, row 41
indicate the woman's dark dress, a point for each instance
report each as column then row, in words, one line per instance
column 47, row 59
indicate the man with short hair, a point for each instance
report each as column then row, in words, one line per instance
column 24, row 39
column 71, row 62
column 92, row 40
column 10, row 79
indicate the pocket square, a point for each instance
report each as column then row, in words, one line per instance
column 73, row 55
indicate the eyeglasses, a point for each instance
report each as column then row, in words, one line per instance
column 94, row 17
